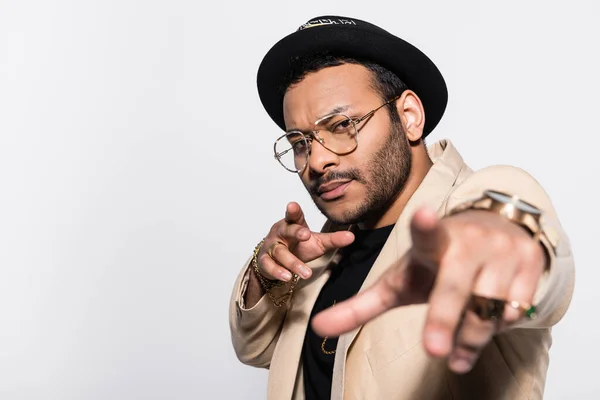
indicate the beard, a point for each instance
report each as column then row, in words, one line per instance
column 388, row 171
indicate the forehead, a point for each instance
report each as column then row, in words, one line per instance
column 321, row 92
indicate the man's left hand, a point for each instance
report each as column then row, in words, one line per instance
column 451, row 259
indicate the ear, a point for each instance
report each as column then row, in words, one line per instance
column 412, row 114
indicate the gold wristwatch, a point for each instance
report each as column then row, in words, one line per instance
column 518, row 211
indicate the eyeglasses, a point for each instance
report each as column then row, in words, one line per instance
column 336, row 132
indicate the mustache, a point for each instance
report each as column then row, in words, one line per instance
column 351, row 174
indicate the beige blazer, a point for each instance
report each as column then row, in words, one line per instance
column 384, row 359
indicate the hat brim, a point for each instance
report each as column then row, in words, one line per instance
column 410, row 64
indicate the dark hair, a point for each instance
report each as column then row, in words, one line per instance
column 384, row 82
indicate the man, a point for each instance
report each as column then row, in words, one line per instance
column 429, row 280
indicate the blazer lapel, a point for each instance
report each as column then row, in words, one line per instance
column 289, row 347
column 433, row 191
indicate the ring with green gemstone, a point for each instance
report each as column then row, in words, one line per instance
column 528, row 309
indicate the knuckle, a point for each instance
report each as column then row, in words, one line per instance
column 284, row 232
column 291, row 231
column 442, row 315
column 388, row 299
column 278, row 251
column 500, row 241
column 453, row 281
column 511, row 316
column 474, row 332
column 455, row 251
column 294, row 230
column 472, row 231
column 263, row 260
column 275, row 229
column 394, row 282
column 441, row 320
column 530, row 251
column 467, row 350
column 469, row 342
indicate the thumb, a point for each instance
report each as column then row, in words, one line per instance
column 294, row 214
column 334, row 240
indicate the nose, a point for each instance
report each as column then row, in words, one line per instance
column 321, row 159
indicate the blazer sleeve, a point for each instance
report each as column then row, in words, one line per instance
column 254, row 331
column 555, row 288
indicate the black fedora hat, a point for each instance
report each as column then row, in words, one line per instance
column 352, row 37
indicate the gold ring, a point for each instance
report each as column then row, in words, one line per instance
column 272, row 247
column 528, row 310
column 487, row 308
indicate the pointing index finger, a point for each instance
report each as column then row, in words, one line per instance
column 349, row 314
column 384, row 295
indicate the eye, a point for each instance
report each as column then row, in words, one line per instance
column 298, row 142
column 299, row 146
column 341, row 126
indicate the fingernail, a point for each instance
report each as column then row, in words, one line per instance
column 436, row 342
column 460, row 365
column 286, row 275
column 305, row 272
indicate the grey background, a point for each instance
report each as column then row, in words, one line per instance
column 136, row 175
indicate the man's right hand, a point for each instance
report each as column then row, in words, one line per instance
column 292, row 244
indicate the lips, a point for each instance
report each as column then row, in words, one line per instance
column 333, row 190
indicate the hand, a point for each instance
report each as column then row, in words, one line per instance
column 298, row 245
column 474, row 252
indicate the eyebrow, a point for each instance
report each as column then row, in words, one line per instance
column 335, row 110
column 338, row 109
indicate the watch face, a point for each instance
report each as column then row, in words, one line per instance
column 519, row 204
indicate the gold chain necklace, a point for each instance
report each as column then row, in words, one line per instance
column 328, row 352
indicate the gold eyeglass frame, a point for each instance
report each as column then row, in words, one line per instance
column 315, row 135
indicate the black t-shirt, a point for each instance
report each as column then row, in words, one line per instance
column 345, row 281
